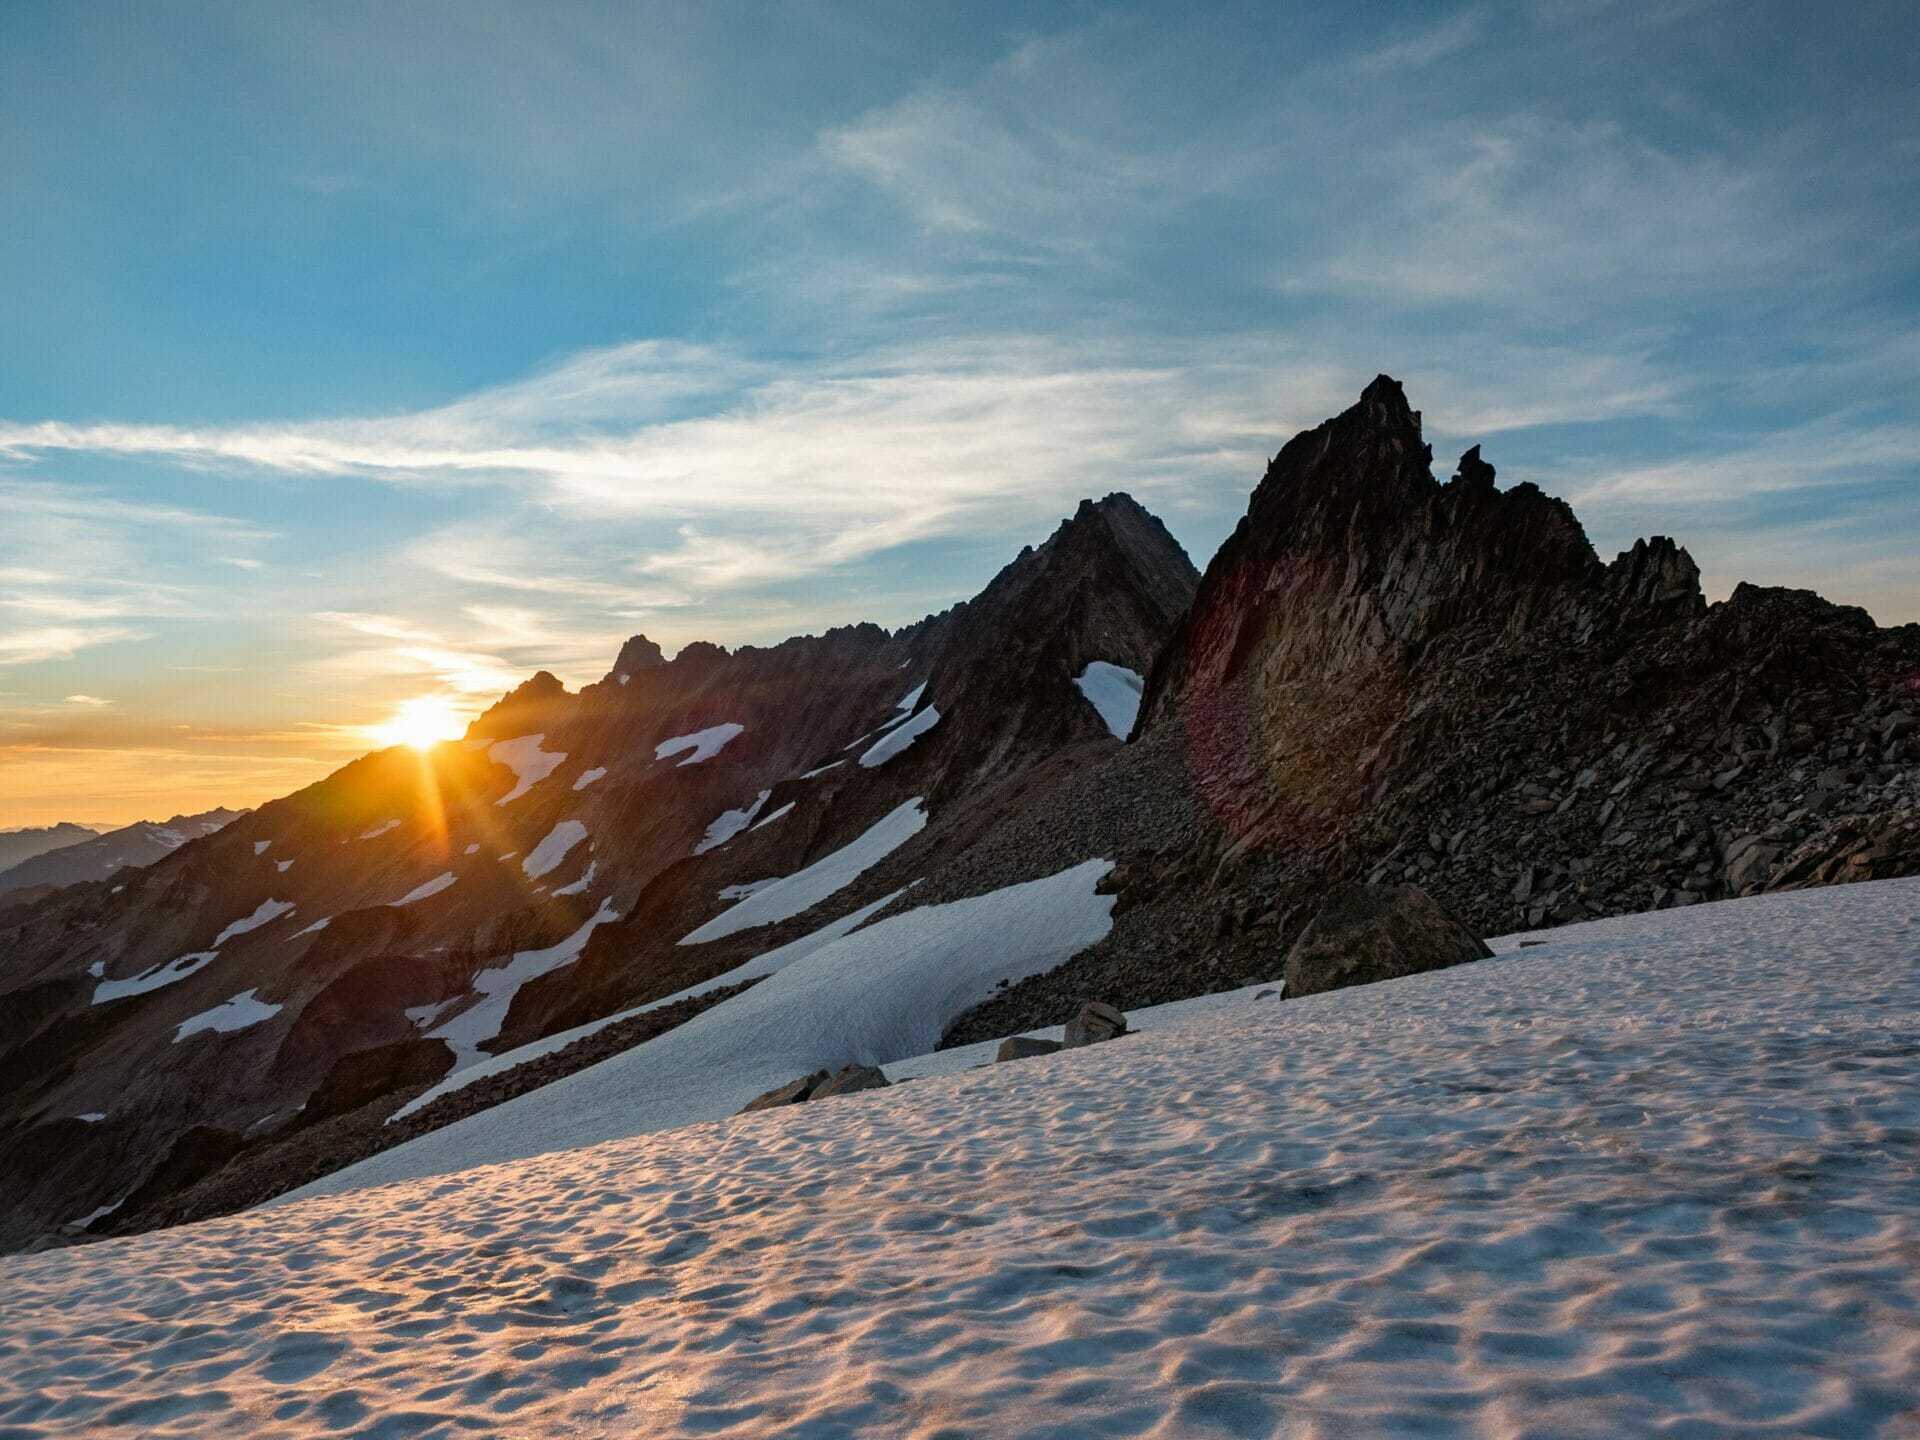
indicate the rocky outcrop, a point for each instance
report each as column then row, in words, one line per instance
column 1096, row 1022
column 1368, row 933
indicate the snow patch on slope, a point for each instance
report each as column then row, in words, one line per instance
column 792, row 894
column 235, row 1013
column 494, row 989
column 700, row 745
column 422, row 891
column 154, row 977
column 587, row 777
column 548, row 854
column 897, row 740
column 730, row 824
column 1115, row 692
column 266, row 912
column 528, row 762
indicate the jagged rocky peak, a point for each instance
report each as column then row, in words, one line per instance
column 638, row 654
column 531, row 705
column 1658, row 574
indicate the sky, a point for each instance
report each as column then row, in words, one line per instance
column 358, row 353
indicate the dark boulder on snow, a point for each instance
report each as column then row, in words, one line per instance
column 1366, row 933
column 850, row 1080
column 791, row 1093
column 1095, row 1022
column 1025, row 1047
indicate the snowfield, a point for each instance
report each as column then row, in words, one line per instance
column 896, row 741
column 1660, row 1174
column 154, row 977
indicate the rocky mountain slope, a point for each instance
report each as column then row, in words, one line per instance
column 1380, row 677
column 90, row 856
column 263, row 999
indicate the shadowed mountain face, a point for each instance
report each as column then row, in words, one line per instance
column 1380, row 676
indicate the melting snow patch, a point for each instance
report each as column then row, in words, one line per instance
column 897, row 740
column 528, row 762
column 1114, row 691
column 552, row 850
column 784, row 809
column 704, row 744
column 421, row 892
column 378, row 830
column 92, row 1215
column 829, row 765
column 803, row 889
column 495, row 989
column 260, row 846
column 472, row 849
column 267, row 910
column 579, row 887
column 236, row 1013
column 154, row 977
column 319, row 924
column 625, row 678
column 283, row 866
column 730, row 824
column 588, row 777
column 92, row 1117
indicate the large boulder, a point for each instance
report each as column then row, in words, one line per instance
column 1365, row 933
column 794, row 1092
column 849, row 1080
column 1095, row 1022
column 1024, row 1047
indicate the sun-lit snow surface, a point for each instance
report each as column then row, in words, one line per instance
column 235, row 1013
column 878, row 994
column 154, row 977
column 377, row 831
column 548, row 854
column 730, row 824
column 494, row 989
column 896, row 740
column 423, row 890
column 1656, row 1176
column 700, row 745
column 528, row 762
column 756, row 968
column 266, row 911
column 1114, row 691
column 791, row 894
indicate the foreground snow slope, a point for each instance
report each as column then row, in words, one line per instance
column 1659, row 1174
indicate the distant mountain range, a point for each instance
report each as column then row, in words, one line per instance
column 24, row 844
column 1107, row 776
column 78, row 854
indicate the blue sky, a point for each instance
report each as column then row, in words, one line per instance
column 351, row 353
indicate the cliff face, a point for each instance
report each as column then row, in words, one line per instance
column 1388, row 677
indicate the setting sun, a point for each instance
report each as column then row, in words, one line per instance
column 421, row 723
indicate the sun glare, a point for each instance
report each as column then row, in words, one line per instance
column 421, row 723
